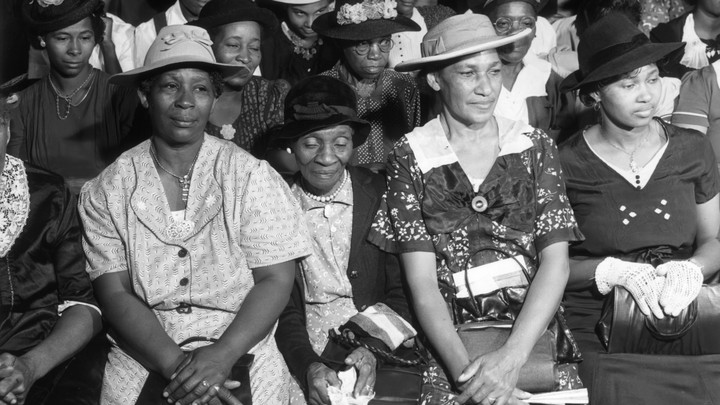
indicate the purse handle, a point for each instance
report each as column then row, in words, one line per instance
column 666, row 328
column 346, row 338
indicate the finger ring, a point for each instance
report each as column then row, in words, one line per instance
column 492, row 400
column 205, row 384
column 369, row 388
column 216, row 387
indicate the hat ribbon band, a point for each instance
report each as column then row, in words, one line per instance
column 616, row 51
column 317, row 111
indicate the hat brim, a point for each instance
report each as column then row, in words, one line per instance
column 259, row 15
column 643, row 55
column 326, row 25
column 491, row 43
column 64, row 19
column 135, row 76
column 293, row 130
column 296, row 2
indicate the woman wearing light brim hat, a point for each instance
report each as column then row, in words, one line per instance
column 190, row 243
column 296, row 51
column 466, row 182
column 389, row 100
column 645, row 193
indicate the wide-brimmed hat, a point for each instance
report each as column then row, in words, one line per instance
column 320, row 102
column 613, row 46
column 458, row 36
column 355, row 20
column 220, row 12
column 43, row 16
column 177, row 46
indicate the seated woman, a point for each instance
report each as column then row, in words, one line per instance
column 47, row 309
column 470, row 188
column 249, row 105
column 345, row 274
column 387, row 99
column 295, row 51
column 531, row 89
column 645, row 193
column 72, row 122
column 189, row 239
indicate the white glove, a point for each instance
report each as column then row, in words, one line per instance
column 683, row 281
column 637, row 278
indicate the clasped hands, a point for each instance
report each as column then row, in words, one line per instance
column 320, row 377
column 665, row 290
column 201, row 377
column 16, row 378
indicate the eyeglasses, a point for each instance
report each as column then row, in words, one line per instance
column 363, row 47
column 503, row 25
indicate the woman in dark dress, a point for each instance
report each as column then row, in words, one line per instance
column 73, row 121
column 645, row 193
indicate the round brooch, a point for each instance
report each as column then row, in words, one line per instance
column 479, row 203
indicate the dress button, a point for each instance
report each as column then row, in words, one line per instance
column 479, row 203
column 354, row 274
column 184, row 281
column 182, row 253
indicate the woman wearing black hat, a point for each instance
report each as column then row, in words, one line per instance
column 645, row 193
column 73, row 121
column 388, row 100
column 249, row 105
column 346, row 278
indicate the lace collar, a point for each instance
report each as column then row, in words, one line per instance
column 694, row 56
column 306, row 53
column 14, row 202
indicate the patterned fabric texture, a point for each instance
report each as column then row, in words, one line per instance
column 244, row 218
column 392, row 108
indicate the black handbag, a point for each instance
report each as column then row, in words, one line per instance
column 622, row 328
column 151, row 393
column 493, row 315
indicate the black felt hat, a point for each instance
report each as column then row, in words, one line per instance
column 220, row 12
column 43, row 16
column 320, row 102
column 355, row 20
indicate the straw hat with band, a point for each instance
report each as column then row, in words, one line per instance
column 320, row 102
column 354, row 20
column 613, row 46
column 456, row 37
column 220, row 12
column 43, row 16
column 176, row 47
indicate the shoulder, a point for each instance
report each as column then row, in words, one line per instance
column 705, row 77
column 119, row 176
column 685, row 138
column 670, row 31
column 367, row 179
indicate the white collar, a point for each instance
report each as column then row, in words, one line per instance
column 532, row 78
column 432, row 149
column 694, row 56
column 174, row 15
column 14, row 202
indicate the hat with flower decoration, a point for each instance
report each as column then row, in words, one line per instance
column 355, row 20
column 43, row 16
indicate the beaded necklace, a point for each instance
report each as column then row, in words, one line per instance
column 68, row 98
column 300, row 49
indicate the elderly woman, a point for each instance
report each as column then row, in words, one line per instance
column 346, row 275
column 47, row 309
column 531, row 89
column 645, row 193
column 388, row 100
column 190, row 243
column 73, row 121
column 295, row 51
column 471, row 188
column 249, row 105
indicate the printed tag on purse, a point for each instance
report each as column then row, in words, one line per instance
column 490, row 277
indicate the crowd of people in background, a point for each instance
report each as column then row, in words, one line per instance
column 197, row 197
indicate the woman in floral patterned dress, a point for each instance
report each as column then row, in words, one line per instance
column 466, row 189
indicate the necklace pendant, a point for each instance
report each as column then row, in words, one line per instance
column 633, row 166
column 185, row 185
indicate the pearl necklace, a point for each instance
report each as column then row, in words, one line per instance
column 184, row 180
column 68, row 98
column 300, row 49
column 331, row 197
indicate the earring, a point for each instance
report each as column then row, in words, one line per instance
column 289, row 151
column 596, row 106
column 42, row 43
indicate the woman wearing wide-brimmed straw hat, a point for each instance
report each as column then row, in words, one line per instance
column 387, row 99
column 645, row 193
column 463, row 188
column 190, row 243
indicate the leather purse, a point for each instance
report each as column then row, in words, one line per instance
column 622, row 328
column 151, row 393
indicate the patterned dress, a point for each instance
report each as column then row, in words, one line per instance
column 244, row 217
column 428, row 208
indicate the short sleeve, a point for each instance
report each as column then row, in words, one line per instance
column 707, row 185
column 555, row 220
column 271, row 229
column 398, row 226
column 693, row 106
column 104, row 249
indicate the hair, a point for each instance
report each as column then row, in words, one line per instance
column 96, row 22
column 586, row 90
column 215, row 77
column 590, row 11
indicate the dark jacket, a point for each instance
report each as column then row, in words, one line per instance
column 374, row 276
column 671, row 31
